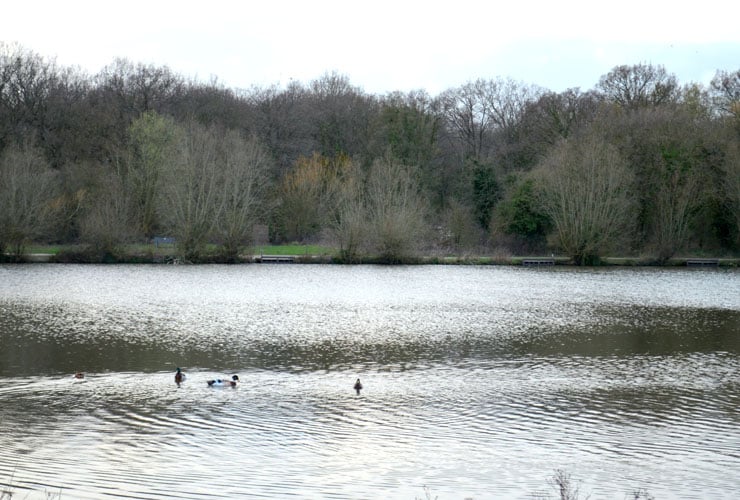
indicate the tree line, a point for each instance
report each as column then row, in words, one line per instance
column 639, row 165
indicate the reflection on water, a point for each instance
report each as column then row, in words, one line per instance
column 478, row 381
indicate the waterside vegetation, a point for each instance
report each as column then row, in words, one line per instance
column 320, row 254
column 640, row 166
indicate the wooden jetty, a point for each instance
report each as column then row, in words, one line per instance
column 702, row 262
column 275, row 259
column 538, row 262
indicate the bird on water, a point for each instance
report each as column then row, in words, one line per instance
column 224, row 383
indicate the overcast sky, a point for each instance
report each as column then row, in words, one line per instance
column 384, row 45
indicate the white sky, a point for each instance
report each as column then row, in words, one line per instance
column 384, row 45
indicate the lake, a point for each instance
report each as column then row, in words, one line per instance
column 478, row 381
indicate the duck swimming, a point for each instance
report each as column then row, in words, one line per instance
column 179, row 376
column 224, row 383
column 358, row 386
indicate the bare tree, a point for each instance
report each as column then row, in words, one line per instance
column 301, row 197
column 673, row 155
column 639, row 85
column 725, row 91
column 725, row 95
column 190, row 202
column 137, row 88
column 308, row 196
column 243, row 181
column 281, row 118
column 477, row 108
column 26, row 79
column 213, row 103
column 341, row 116
column 27, row 190
column 107, row 222
column 397, row 211
column 469, row 117
column 507, row 101
column 349, row 213
column 556, row 116
column 584, row 185
column 484, row 124
column 696, row 99
column 676, row 198
column 459, row 230
column 153, row 140
column 70, row 130
column 730, row 184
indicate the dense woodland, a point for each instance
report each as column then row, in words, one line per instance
column 640, row 165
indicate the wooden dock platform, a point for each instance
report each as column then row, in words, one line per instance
column 277, row 259
column 538, row 262
column 702, row 262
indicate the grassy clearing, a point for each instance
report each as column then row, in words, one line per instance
column 48, row 249
column 169, row 249
column 293, row 250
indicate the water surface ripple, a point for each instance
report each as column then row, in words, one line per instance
column 479, row 382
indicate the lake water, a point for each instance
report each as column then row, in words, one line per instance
column 479, row 382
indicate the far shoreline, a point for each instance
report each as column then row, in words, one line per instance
column 522, row 261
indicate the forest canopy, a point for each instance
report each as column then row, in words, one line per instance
column 639, row 165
